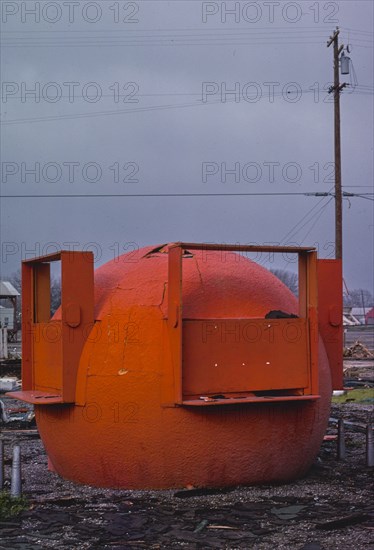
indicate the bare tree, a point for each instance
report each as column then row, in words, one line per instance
column 359, row 297
column 55, row 294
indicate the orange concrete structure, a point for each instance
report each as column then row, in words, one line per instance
column 165, row 368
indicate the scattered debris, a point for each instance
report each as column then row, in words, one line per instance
column 200, row 492
column 330, row 437
column 287, row 512
column 353, row 519
column 9, row 383
column 19, row 416
column 359, row 383
column 357, row 351
column 25, row 433
column 222, row 527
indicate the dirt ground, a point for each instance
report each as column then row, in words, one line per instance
column 331, row 508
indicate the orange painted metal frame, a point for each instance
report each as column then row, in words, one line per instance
column 330, row 315
column 240, row 355
column 51, row 348
column 195, row 377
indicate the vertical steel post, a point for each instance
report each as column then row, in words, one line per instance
column 341, row 440
column 369, row 446
column 1, row 464
column 1, row 342
column 16, row 480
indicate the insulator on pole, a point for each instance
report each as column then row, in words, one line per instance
column 344, row 63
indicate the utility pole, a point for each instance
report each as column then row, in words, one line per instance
column 336, row 88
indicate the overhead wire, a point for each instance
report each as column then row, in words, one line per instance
column 321, row 212
column 192, row 36
column 317, row 217
column 357, row 88
column 197, row 103
column 252, row 194
column 308, row 217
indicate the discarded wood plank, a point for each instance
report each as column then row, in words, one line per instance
column 343, row 522
column 59, row 500
column 30, row 433
column 185, row 493
column 223, row 527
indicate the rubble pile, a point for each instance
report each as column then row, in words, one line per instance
column 357, row 351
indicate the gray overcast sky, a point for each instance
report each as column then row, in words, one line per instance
column 119, row 109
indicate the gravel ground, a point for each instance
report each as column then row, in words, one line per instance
column 64, row 515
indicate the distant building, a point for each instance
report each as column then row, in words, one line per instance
column 358, row 315
column 8, row 316
column 348, row 318
column 369, row 317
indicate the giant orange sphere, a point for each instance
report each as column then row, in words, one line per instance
column 127, row 432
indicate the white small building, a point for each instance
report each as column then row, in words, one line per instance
column 7, row 317
column 349, row 319
column 355, row 315
column 10, row 294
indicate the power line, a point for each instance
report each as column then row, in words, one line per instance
column 158, row 37
column 286, row 30
column 252, row 194
column 321, row 212
column 186, row 32
column 270, row 194
column 134, row 110
column 295, row 229
column 355, row 89
column 317, row 218
column 144, row 44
